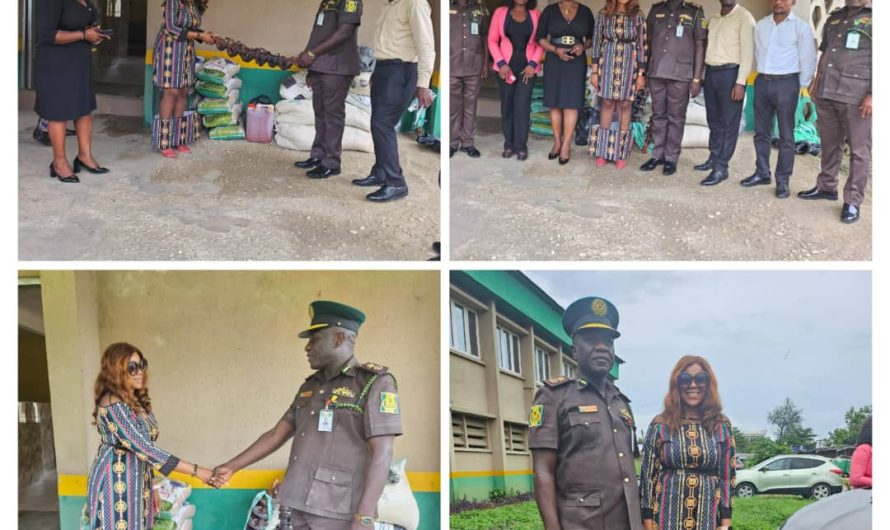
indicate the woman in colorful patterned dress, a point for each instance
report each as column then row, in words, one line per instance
column 688, row 472
column 120, row 481
column 173, row 67
column 618, row 72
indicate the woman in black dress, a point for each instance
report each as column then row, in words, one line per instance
column 565, row 32
column 66, row 32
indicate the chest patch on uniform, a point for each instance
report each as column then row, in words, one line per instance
column 536, row 416
column 305, row 394
column 343, row 392
column 588, row 408
column 627, row 417
column 660, row 15
column 389, row 403
column 351, row 6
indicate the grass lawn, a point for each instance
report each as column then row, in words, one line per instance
column 765, row 512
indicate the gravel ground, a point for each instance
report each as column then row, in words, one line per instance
column 225, row 201
column 538, row 210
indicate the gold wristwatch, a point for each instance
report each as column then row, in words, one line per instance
column 364, row 520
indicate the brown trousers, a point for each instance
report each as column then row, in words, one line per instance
column 307, row 521
column 464, row 95
column 329, row 93
column 669, row 101
column 841, row 123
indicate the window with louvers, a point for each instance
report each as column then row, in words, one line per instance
column 469, row 432
column 515, row 437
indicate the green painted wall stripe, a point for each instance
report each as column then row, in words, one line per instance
column 479, row 488
column 227, row 509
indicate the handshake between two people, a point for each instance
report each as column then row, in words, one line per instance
column 217, row 477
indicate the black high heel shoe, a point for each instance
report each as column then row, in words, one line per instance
column 552, row 155
column 98, row 170
column 53, row 174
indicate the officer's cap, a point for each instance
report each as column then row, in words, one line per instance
column 591, row 312
column 326, row 314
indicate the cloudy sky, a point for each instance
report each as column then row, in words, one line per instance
column 804, row 335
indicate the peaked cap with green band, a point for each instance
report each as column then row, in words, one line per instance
column 324, row 314
column 591, row 312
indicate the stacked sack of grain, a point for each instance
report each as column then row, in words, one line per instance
column 220, row 106
column 295, row 119
column 176, row 512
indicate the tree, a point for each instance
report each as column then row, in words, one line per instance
column 763, row 448
column 799, row 435
column 853, row 418
column 786, row 418
column 742, row 443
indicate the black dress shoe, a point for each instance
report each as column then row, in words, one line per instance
column 716, row 177
column 42, row 137
column 782, row 190
column 98, row 170
column 322, row 172
column 552, row 156
column 849, row 214
column 309, row 163
column 508, row 153
column 388, row 193
column 816, row 193
column 521, row 155
column 652, row 163
column 70, row 178
column 707, row 165
column 756, row 180
column 370, row 180
column 564, row 161
column 669, row 168
column 471, row 151
column 451, row 153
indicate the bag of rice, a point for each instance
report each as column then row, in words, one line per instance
column 295, row 87
column 213, row 90
column 228, row 132
column 232, row 117
column 217, row 70
column 210, row 106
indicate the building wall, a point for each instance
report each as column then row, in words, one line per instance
column 225, row 364
column 480, row 387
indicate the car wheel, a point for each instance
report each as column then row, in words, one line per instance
column 820, row 491
column 745, row 489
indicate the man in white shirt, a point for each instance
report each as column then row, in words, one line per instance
column 785, row 53
column 404, row 46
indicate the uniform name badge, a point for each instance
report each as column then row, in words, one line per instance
column 474, row 28
column 325, row 420
column 853, row 40
column 680, row 30
column 320, row 20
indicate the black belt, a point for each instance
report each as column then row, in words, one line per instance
column 382, row 62
column 770, row 77
column 565, row 40
column 719, row 67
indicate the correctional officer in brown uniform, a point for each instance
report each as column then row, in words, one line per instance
column 843, row 103
column 582, row 433
column 677, row 32
column 332, row 60
column 469, row 21
column 343, row 420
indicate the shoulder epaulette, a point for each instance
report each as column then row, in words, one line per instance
column 374, row 368
column 694, row 5
column 554, row 382
column 622, row 394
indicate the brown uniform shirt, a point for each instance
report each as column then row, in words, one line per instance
column 846, row 66
column 327, row 467
column 596, row 486
column 331, row 15
column 469, row 36
column 672, row 50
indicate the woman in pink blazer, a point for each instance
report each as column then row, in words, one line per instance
column 860, row 464
column 516, row 56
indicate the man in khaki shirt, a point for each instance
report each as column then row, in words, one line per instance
column 728, row 61
column 404, row 46
column 343, row 420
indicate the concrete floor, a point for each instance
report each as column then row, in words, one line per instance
column 539, row 210
column 39, row 506
column 233, row 201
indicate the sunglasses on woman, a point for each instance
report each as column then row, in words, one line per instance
column 701, row 379
column 134, row 367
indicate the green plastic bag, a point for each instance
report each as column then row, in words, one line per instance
column 229, row 132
